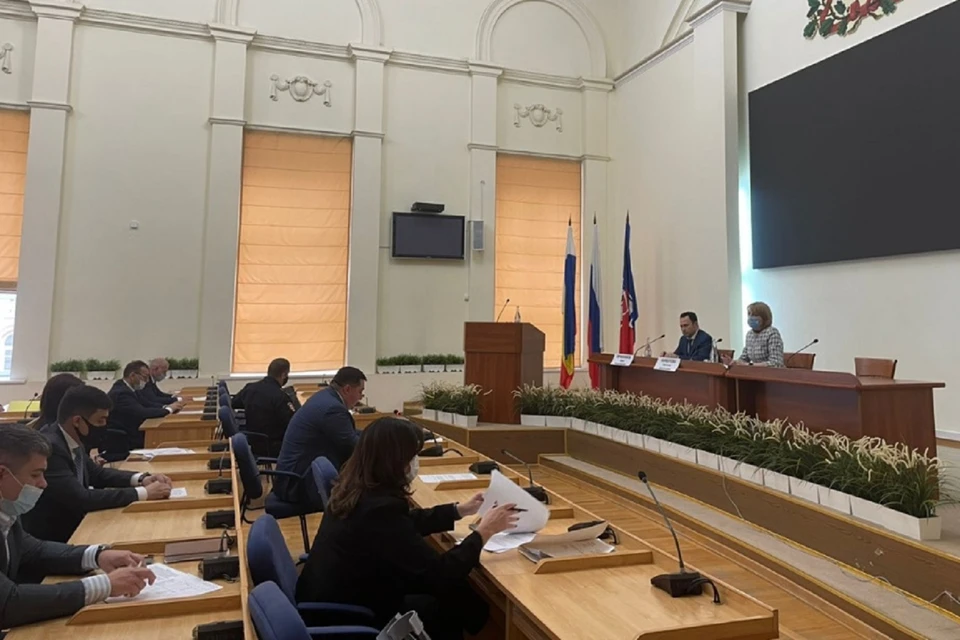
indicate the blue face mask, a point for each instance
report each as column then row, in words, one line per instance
column 754, row 323
column 27, row 500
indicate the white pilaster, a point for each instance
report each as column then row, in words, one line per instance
column 49, row 107
column 717, row 173
column 483, row 190
column 363, row 290
column 224, row 180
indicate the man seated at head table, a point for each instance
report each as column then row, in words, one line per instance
column 128, row 411
column 76, row 485
column 151, row 395
column 267, row 407
column 23, row 459
column 323, row 426
column 695, row 344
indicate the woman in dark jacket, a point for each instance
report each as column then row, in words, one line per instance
column 370, row 549
column 53, row 392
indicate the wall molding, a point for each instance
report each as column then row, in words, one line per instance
column 236, row 122
column 653, row 59
column 306, row 48
column 679, row 20
column 273, row 128
column 145, row 24
column 478, row 146
column 574, row 8
column 717, row 7
column 430, row 63
column 46, row 104
column 371, row 22
column 14, row 106
column 301, row 89
column 57, row 10
column 375, row 135
column 16, row 10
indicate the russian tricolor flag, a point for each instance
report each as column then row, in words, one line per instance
column 569, row 311
column 594, row 324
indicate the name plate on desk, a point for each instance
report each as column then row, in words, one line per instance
column 667, row 364
column 622, row 360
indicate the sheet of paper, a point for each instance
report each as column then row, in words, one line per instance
column 580, row 535
column 573, row 549
column 447, row 477
column 171, row 583
column 507, row 541
column 199, row 398
column 169, row 451
column 534, row 514
column 192, row 412
column 178, row 492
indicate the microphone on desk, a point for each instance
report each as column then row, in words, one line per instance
column 801, row 350
column 502, row 309
column 684, row 583
column 646, row 346
column 534, row 490
column 435, row 451
column 26, row 411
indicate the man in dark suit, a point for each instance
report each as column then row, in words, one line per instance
column 267, row 407
column 23, row 458
column 151, row 394
column 322, row 427
column 76, row 485
column 129, row 412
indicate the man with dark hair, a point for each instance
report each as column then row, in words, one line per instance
column 694, row 343
column 151, row 394
column 76, row 485
column 128, row 411
column 322, row 427
column 268, row 408
column 23, row 459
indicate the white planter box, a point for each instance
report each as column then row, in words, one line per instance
column 804, row 490
column 688, row 454
column 669, row 449
column 533, row 421
column 577, row 424
column 605, row 432
column 434, row 368
column 101, row 375
column 445, row 416
column 866, row 510
column 464, row 421
column 429, row 414
column 751, row 473
column 454, row 368
column 915, row 528
column 179, row 374
column 635, row 439
column 590, row 427
column 411, row 368
column 388, row 369
column 834, row 499
column 776, row 481
column 652, row 444
column 622, row 436
column 729, row 466
column 558, row 421
column 708, row 460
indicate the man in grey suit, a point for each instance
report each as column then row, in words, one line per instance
column 23, row 459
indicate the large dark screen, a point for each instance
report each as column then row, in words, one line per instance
column 859, row 156
column 427, row 235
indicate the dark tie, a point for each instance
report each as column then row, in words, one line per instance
column 78, row 456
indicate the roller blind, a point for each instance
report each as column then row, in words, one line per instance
column 14, row 133
column 294, row 242
column 535, row 199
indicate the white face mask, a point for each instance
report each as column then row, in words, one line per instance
column 29, row 495
column 413, row 470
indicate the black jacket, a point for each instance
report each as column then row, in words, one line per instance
column 129, row 412
column 65, row 501
column 268, row 410
column 377, row 555
column 152, row 396
column 322, row 427
column 25, row 603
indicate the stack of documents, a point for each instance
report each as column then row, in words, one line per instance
column 169, row 584
column 446, row 477
column 150, row 454
column 567, row 545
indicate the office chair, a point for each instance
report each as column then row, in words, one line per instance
column 324, row 474
column 276, row 619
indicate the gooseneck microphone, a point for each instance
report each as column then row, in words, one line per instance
column 502, row 309
column 534, row 490
column 26, row 411
column 434, row 451
column 646, row 346
column 801, row 350
column 684, row 583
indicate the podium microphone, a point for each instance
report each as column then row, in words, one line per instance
column 502, row 309
column 684, row 583
column 801, row 350
column 26, row 411
column 649, row 343
column 534, row 490
column 435, row 451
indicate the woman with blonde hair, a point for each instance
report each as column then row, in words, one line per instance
column 763, row 346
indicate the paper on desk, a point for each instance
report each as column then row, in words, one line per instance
column 170, row 583
column 199, row 398
column 192, row 412
column 506, row 541
column 150, row 454
column 580, row 535
column 447, row 477
column 504, row 491
column 565, row 545
column 178, row 492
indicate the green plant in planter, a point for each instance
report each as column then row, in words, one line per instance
column 466, row 400
column 68, row 366
column 452, row 358
column 190, row 364
column 407, row 359
column 92, row 364
column 434, row 395
column 530, row 400
column 434, row 358
column 386, row 361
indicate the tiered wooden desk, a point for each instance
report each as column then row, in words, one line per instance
column 187, row 426
column 895, row 410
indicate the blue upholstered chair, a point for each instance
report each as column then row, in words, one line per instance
column 324, row 474
column 276, row 619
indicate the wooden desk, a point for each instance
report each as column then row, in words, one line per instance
column 147, row 627
column 176, row 428
column 695, row 382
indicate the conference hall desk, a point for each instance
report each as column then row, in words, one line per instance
column 895, row 410
column 186, row 426
column 586, row 598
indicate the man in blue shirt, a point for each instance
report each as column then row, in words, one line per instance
column 694, row 343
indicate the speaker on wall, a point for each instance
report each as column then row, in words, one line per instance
column 476, row 235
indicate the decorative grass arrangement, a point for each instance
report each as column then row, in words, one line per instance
column 92, row 364
column 891, row 475
column 459, row 399
column 68, row 366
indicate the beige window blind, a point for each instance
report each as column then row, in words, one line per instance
column 535, row 199
column 14, row 133
column 294, row 244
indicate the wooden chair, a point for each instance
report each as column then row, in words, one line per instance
column 799, row 360
column 875, row 367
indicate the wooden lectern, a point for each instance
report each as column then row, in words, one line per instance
column 500, row 357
